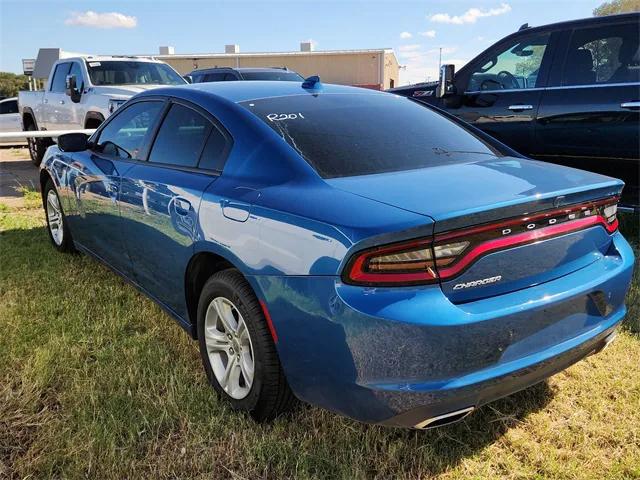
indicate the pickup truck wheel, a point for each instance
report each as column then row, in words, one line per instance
column 238, row 352
column 57, row 228
column 37, row 146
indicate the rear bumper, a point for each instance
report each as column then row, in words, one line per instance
column 397, row 356
column 498, row 387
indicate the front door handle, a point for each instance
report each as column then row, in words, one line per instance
column 182, row 206
column 630, row 105
column 519, row 108
column 61, row 102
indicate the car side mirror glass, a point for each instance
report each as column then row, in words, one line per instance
column 73, row 142
column 445, row 81
column 71, row 89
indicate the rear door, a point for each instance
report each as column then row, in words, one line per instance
column 160, row 199
column 589, row 118
column 502, row 89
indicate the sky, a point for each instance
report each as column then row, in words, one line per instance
column 415, row 30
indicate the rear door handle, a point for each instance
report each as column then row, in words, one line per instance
column 630, row 105
column 519, row 108
column 61, row 102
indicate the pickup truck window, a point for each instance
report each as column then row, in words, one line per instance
column 59, row 77
column 603, row 55
column 126, row 133
column 513, row 67
column 132, row 73
column 77, row 71
column 180, row 138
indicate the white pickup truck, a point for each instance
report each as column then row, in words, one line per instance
column 82, row 92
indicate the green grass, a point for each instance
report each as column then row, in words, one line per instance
column 97, row 382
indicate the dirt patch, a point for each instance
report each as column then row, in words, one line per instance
column 17, row 176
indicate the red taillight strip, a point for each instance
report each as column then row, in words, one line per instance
column 532, row 218
column 523, row 238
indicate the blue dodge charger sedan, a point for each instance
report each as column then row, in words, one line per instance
column 349, row 248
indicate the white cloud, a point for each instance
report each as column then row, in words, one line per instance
column 409, row 48
column 421, row 65
column 405, row 35
column 445, row 50
column 101, row 20
column 428, row 34
column 470, row 16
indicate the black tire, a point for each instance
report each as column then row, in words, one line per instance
column 269, row 394
column 37, row 146
column 65, row 244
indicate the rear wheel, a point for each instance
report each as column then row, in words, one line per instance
column 37, row 146
column 238, row 352
column 57, row 228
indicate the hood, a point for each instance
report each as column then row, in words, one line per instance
column 126, row 91
column 487, row 189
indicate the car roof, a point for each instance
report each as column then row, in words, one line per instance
column 243, row 69
column 581, row 21
column 8, row 99
column 259, row 89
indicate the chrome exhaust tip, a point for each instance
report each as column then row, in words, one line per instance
column 444, row 419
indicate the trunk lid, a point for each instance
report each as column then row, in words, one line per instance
column 529, row 233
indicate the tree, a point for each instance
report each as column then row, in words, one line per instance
column 10, row 84
column 617, row 6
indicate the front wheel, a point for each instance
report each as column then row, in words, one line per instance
column 238, row 352
column 57, row 228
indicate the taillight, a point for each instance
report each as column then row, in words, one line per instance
column 449, row 254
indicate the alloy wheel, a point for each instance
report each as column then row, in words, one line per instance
column 229, row 348
column 54, row 217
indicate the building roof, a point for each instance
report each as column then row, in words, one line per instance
column 274, row 54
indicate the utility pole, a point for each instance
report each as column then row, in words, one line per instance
column 440, row 59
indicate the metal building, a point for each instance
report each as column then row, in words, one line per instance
column 370, row 68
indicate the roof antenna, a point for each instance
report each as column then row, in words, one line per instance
column 312, row 82
column 524, row 26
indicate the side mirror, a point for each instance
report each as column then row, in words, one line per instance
column 71, row 89
column 188, row 78
column 73, row 142
column 445, row 82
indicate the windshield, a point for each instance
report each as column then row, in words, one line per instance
column 284, row 75
column 132, row 73
column 343, row 135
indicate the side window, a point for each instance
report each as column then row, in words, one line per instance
column 77, row 71
column 608, row 54
column 59, row 77
column 214, row 153
column 180, row 138
column 10, row 106
column 126, row 134
column 514, row 67
column 229, row 77
column 214, row 77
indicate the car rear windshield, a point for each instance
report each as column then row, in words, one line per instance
column 132, row 73
column 282, row 76
column 343, row 135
